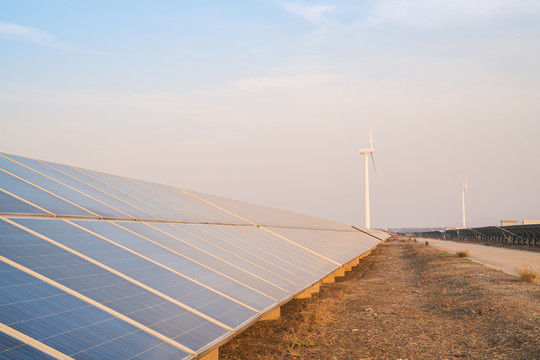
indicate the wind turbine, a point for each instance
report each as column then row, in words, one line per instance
column 463, row 193
column 366, row 153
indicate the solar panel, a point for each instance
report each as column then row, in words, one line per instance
column 339, row 246
column 262, row 215
column 181, row 264
column 70, row 325
column 200, row 209
column 250, row 253
column 65, row 175
column 99, row 266
column 304, row 258
column 292, row 262
column 211, row 261
column 159, row 201
column 134, row 207
column 60, row 189
column 14, row 349
column 109, row 289
column 12, row 205
column 161, row 210
column 41, row 198
column 149, row 273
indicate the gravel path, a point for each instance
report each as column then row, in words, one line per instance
column 507, row 260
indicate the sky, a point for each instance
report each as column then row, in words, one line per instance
column 269, row 101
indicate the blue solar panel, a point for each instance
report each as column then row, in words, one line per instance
column 340, row 246
column 12, row 205
column 275, row 256
column 59, row 189
column 161, row 202
column 68, row 324
column 181, row 264
column 157, row 208
column 211, row 246
column 133, row 206
column 39, row 197
column 283, row 248
column 204, row 212
column 14, row 349
column 51, row 172
column 108, row 289
column 210, row 261
column 186, row 291
column 195, row 207
column 247, row 251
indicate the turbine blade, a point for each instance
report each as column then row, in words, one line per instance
column 374, row 166
column 370, row 137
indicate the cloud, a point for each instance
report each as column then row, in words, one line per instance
column 315, row 14
column 24, row 33
column 433, row 13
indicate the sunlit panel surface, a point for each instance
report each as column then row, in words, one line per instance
column 262, row 215
column 71, row 325
column 99, row 266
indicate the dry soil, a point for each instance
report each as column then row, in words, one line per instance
column 404, row 301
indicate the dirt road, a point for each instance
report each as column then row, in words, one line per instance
column 405, row 301
column 508, row 260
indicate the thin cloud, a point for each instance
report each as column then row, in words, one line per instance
column 315, row 14
column 433, row 13
column 28, row 34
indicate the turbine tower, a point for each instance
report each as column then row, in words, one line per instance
column 366, row 153
column 463, row 193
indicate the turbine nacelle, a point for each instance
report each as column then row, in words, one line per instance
column 366, row 151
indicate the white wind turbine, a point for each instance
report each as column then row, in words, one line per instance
column 463, row 194
column 366, row 152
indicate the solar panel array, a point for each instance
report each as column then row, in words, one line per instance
column 96, row 266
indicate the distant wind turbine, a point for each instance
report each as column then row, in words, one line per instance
column 366, row 152
column 463, row 193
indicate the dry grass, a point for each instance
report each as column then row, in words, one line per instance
column 462, row 253
column 316, row 316
column 405, row 301
column 527, row 274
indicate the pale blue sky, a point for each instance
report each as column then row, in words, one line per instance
column 269, row 101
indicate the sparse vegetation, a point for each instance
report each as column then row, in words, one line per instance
column 363, row 315
column 426, row 243
column 462, row 253
column 527, row 275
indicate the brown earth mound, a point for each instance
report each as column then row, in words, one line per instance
column 405, row 301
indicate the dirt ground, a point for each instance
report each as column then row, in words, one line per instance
column 404, row 301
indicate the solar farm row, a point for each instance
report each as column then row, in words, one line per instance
column 96, row 266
